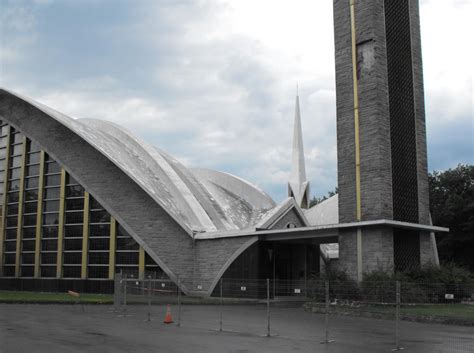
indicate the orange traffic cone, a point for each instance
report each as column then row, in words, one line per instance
column 168, row 318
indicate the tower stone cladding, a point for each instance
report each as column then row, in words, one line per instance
column 394, row 180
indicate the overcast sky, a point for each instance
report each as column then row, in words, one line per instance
column 213, row 82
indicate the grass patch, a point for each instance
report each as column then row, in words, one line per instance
column 464, row 311
column 39, row 297
column 460, row 314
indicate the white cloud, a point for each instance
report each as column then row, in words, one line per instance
column 218, row 84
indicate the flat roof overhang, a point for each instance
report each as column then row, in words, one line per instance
column 326, row 233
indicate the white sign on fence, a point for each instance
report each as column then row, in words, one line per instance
column 297, row 290
column 449, row 296
column 243, row 288
column 199, row 287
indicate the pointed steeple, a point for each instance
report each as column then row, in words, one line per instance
column 298, row 186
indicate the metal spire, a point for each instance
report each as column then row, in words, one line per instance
column 298, row 186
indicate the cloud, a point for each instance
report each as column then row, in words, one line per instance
column 213, row 82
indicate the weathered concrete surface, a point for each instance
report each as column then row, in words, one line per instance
column 23, row 328
column 151, row 225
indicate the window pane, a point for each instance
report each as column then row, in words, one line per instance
column 73, row 231
column 74, row 217
column 51, row 206
column 14, row 185
column 33, row 146
column 127, row 244
column 99, row 258
column 29, row 233
column 50, row 218
column 127, row 258
column 12, row 209
column 49, row 245
column 12, row 197
column 16, row 150
column 10, row 259
column 75, row 204
column 100, row 230
column 99, row 217
column 17, row 138
column 31, row 195
column 51, row 193
column 75, row 190
column 27, row 271
column 72, row 271
column 49, row 258
column 73, row 244
column 14, row 173
column 48, row 271
column 72, row 258
column 52, row 180
column 10, row 246
column 9, row 271
column 99, row 244
column 32, row 170
column 95, row 205
column 52, row 167
column 33, row 158
column 50, row 232
column 98, row 272
column 129, row 271
column 10, row 234
column 31, row 207
column 31, row 183
column 28, row 245
column 29, row 220
column 71, row 180
column 28, row 258
column 15, row 162
column 12, row 221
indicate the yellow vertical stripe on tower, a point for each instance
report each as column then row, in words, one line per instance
column 62, row 200
column 20, row 208
column 5, row 190
column 356, row 110
column 112, row 247
column 355, row 83
column 141, row 264
column 85, row 236
column 39, row 215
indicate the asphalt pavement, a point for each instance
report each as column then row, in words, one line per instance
column 66, row 328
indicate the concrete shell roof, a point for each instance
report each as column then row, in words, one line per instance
column 199, row 200
column 324, row 213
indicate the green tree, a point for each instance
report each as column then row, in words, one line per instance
column 452, row 206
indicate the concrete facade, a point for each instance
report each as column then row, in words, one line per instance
column 376, row 185
column 170, row 246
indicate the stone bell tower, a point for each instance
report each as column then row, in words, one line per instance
column 381, row 137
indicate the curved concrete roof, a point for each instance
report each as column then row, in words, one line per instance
column 204, row 200
column 198, row 200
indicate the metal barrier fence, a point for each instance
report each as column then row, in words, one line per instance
column 395, row 301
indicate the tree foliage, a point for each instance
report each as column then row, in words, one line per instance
column 452, row 206
column 315, row 200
